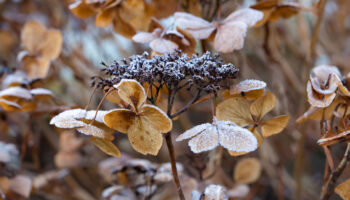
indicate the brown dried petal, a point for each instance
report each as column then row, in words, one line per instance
column 131, row 92
column 106, row 146
column 235, row 109
column 156, row 118
column 274, row 125
column 120, row 119
column 318, row 100
column 31, row 35
column 247, row 171
column 263, row 105
column 343, row 190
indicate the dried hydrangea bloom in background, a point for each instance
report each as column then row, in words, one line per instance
column 247, row 171
column 208, row 136
column 323, row 84
column 230, row 32
column 41, row 47
column 143, row 123
column 162, row 40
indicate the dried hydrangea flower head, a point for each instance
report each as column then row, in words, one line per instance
column 143, row 123
column 207, row 136
column 172, row 71
column 245, row 114
column 322, row 86
column 230, row 32
column 162, row 40
column 41, row 47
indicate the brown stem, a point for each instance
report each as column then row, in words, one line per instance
column 173, row 165
column 328, row 187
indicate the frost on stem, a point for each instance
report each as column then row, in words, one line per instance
column 174, row 71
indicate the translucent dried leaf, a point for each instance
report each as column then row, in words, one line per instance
column 163, row 46
column 274, row 125
column 21, row 185
column 343, row 190
column 214, row 192
column 106, row 146
column 318, row 100
column 230, row 36
column 131, row 92
column 199, row 28
column 235, row 109
column 263, row 105
column 247, row 171
column 246, row 15
column 144, row 37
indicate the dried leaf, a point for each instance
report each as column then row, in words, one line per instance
column 199, row 28
column 230, row 36
column 106, row 146
column 247, row 171
column 274, row 125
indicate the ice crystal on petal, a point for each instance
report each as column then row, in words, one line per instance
column 205, row 141
column 193, row 131
column 248, row 85
column 17, row 92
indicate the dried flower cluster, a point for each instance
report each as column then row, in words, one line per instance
column 173, row 71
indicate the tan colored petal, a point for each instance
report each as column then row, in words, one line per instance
column 105, row 17
column 96, row 129
column 106, row 146
column 36, row 67
column 235, row 109
column 318, row 100
column 284, row 11
column 120, row 119
column 235, row 138
column 122, row 27
column 263, row 105
column 274, row 125
column 156, row 118
column 131, row 92
column 247, row 171
column 205, row 141
column 50, row 44
column 343, row 190
column 31, row 35
column 81, row 9
column 144, row 139
column 258, row 137
column 68, row 119
column 41, row 93
column 230, row 37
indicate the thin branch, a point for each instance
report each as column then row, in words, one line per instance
column 183, row 109
column 328, row 187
